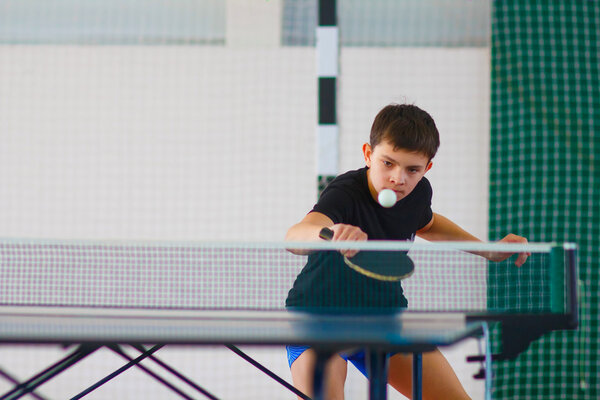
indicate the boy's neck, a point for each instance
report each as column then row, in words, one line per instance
column 370, row 184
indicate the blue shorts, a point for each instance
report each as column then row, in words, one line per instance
column 356, row 357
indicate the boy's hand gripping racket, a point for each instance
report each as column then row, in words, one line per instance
column 383, row 265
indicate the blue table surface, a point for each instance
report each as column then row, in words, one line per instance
column 116, row 325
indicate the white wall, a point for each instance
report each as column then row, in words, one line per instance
column 203, row 143
column 163, row 142
column 155, row 142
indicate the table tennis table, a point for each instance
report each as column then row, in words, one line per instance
column 328, row 334
column 94, row 294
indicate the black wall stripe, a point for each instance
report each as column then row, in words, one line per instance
column 327, row 13
column 327, row 103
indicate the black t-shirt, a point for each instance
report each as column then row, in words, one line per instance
column 326, row 281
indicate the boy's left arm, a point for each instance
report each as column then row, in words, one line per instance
column 441, row 228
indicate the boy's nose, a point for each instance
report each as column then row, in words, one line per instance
column 397, row 178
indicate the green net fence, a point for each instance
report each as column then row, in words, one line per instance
column 545, row 173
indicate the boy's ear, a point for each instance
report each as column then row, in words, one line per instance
column 367, row 151
column 428, row 167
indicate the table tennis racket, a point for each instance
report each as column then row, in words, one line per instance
column 383, row 265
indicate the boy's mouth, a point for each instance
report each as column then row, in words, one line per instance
column 399, row 193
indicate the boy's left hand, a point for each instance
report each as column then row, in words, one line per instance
column 501, row 256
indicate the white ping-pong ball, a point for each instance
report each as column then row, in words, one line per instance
column 387, row 198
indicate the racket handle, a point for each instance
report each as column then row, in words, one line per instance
column 326, row 234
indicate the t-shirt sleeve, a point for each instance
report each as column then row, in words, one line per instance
column 335, row 203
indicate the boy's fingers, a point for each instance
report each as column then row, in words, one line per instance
column 521, row 259
column 349, row 233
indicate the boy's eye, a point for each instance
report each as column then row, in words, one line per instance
column 387, row 163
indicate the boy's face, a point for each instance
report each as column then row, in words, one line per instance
column 396, row 169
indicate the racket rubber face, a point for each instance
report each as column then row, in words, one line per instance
column 382, row 265
column 388, row 266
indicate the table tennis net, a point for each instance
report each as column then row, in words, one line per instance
column 259, row 276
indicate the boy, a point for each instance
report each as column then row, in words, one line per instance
column 403, row 141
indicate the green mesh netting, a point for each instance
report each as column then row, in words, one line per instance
column 545, row 173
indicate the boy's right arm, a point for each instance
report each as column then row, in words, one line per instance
column 308, row 230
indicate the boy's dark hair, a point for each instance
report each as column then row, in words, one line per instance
column 406, row 127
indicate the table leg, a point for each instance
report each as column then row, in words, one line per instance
column 319, row 388
column 377, row 368
column 417, row 376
